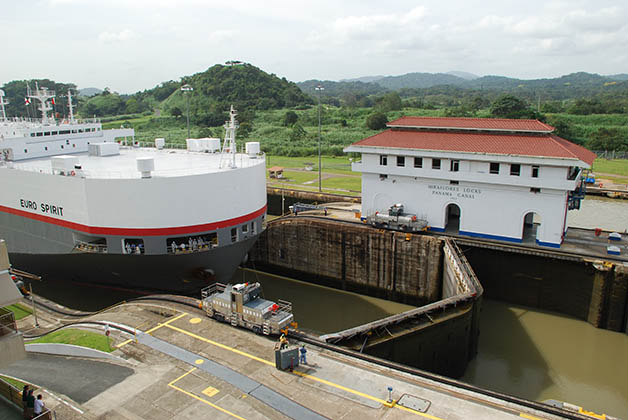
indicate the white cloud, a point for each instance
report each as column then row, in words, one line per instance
column 123, row 35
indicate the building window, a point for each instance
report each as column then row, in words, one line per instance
column 234, row 234
column 435, row 163
column 535, row 190
column 245, row 228
column 515, row 169
column 382, row 177
column 401, row 161
column 253, row 228
column 535, row 172
column 383, row 160
column 494, row 168
column 418, row 162
column 454, row 166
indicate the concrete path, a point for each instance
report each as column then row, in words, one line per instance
column 79, row 379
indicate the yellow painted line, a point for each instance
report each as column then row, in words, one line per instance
column 124, row 343
column 529, row 417
column 222, row 346
column 305, row 375
column 194, row 320
column 367, row 396
column 199, row 361
column 172, row 385
column 165, row 324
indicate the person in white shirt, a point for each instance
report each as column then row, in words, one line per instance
column 39, row 405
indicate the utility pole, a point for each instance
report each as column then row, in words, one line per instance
column 319, row 88
column 185, row 89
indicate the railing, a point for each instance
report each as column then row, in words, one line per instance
column 11, row 393
column 7, row 322
column 91, row 248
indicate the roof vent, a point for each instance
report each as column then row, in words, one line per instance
column 146, row 165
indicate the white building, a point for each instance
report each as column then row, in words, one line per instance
column 487, row 178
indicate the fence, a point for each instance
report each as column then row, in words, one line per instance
column 7, row 322
column 611, row 154
column 14, row 396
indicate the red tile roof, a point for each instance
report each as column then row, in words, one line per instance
column 548, row 146
column 473, row 124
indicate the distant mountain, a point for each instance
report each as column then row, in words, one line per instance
column 90, row 91
column 331, row 88
column 464, row 75
column 419, row 80
column 622, row 76
column 364, row 79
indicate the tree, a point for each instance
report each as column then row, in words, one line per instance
column 376, row 121
column 391, row 102
column 176, row 112
column 290, row 118
column 608, row 139
column 297, row 132
column 509, row 106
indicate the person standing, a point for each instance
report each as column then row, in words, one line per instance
column 39, row 405
column 303, row 351
column 30, row 404
column 25, row 400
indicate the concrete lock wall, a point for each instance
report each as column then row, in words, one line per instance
column 440, row 335
column 354, row 257
column 593, row 291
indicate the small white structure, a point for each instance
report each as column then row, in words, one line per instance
column 500, row 179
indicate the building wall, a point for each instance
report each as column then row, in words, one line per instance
column 491, row 205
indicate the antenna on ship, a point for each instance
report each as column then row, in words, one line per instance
column 42, row 95
column 2, row 104
column 72, row 121
column 229, row 145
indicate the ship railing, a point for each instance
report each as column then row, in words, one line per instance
column 7, row 322
column 213, row 289
column 186, row 249
column 52, row 124
column 283, row 306
column 89, row 247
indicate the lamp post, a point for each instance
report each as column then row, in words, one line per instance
column 187, row 88
column 319, row 88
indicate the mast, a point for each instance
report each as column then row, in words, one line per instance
column 230, row 143
column 72, row 121
column 3, row 115
column 42, row 95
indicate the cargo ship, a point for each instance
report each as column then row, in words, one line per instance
column 90, row 205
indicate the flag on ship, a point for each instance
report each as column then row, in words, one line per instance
column 27, row 101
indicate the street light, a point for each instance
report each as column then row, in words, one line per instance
column 319, row 88
column 187, row 88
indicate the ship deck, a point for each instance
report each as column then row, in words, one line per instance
column 168, row 163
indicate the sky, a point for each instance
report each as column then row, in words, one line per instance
column 132, row 45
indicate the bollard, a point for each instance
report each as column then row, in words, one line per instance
column 390, row 389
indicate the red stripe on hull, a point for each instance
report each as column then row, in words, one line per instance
column 95, row 230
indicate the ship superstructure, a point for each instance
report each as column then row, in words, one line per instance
column 83, row 206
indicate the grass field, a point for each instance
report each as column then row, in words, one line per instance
column 78, row 338
column 19, row 311
column 17, row 384
column 616, row 166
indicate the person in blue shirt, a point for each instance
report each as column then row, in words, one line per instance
column 303, row 360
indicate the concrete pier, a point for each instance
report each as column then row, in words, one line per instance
column 184, row 365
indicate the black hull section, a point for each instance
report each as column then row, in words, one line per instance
column 179, row 273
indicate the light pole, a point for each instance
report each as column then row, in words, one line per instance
column 319, row 88
column 187, row 88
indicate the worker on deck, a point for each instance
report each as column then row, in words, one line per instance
column 302, row 350
column 283, row 342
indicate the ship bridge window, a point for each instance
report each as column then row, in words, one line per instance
column 133, row 246
column 39, row 134
column 192, row 243
column 32, row 134
column 54, row 133
column 64, row 132
column 80, row 130
column 47, row 133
